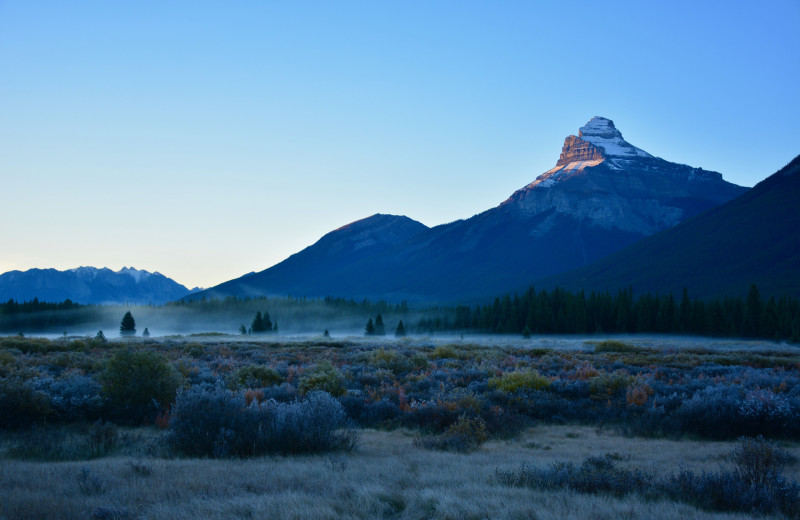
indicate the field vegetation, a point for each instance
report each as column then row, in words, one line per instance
column 410, row 428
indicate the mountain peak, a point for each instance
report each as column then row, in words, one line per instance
column 602, row 133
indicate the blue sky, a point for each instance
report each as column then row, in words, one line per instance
column 205, row 140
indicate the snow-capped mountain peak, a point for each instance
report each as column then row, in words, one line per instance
column 602, row 133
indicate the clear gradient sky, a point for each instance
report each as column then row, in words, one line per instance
column 205, row 140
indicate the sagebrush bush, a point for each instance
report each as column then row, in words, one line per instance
column 519, row 381
column 137, row 384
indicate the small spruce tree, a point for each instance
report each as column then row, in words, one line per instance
column 100, row 336
column 369, row 330
column 400, row 331
column 127, row 326
column 526, row 332
column 242, row 330
column 380, row 328
column 146, row 333
column 326, row 333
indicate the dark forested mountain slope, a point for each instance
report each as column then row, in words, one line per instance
column 754, row 238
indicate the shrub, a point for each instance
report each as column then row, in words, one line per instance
column 612, row 345
column 217, row 422
column 255, row 376
column 465, row 435
column 608, row 385
column 596, row 475
column 21, row 405
column 72, row 397
column 137, row 384
column 323, row 378
column 712, row 413
column 310, row 425
column 519, row 381
column 102, row 438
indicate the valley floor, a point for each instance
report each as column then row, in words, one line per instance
column 386, row 477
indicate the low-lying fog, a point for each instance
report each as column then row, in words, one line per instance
column 565, row 342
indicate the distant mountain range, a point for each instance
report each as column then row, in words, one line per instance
column 91, row 285
column 602, row 195
column 754, row 238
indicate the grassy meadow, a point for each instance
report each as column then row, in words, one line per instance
column 213, row 426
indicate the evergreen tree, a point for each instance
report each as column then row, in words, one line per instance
column 258, row 326
column 99, row 336
column 380, row 328
column 369, row 330
column 127, row 326
column 526, row 332
column 400, row 331
column 146, row 333
column 268, row 323
column 326, row 333
column 242, row 329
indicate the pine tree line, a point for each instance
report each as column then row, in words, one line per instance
column 565, row 312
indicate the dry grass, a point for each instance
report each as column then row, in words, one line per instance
column 386, row 478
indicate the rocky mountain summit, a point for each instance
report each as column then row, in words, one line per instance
column 602, row 195
column 612, row 184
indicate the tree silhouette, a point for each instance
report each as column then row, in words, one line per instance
column 127, row 326
column 369, row 330
column 380, row 328
column 400, row 331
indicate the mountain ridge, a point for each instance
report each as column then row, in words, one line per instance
column 602, row 195
column 91, row 285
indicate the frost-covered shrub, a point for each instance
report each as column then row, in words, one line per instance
column 756, row 484
column 766, row 412
column 72, row 397
column 218, row 422
column 310, row 425
column 712, row 413
column 596, row 475
column 200, row 417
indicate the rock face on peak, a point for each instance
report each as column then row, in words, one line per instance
column 602, row 195
column 90, row 285
column 602, row 133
